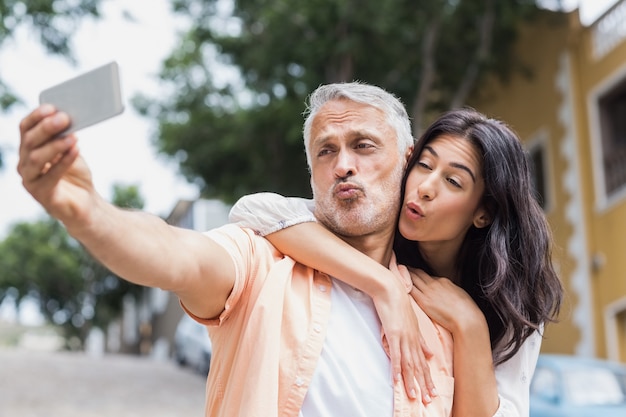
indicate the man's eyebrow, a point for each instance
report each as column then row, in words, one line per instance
column 355, row 134
column 452, row 164
column 320, row 140
column 365, row 133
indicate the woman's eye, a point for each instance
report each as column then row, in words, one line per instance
column 454, row 182
column 423, row 165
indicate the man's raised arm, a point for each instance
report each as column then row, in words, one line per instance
column 137, row 246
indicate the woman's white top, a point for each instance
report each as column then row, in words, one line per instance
column 267, row 213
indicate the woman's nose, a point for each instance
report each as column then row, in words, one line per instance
column 426, row 188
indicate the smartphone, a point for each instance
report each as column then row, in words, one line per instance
column 89, row 98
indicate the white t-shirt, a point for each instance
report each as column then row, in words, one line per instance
column 353, row 374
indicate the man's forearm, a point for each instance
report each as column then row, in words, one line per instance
column 135, row 245
column 145, row 250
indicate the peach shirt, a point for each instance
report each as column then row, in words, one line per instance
column 267, row 340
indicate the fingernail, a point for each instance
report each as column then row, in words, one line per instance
column 58, row 119
column 433, row 392
column 398, row 377
column 46, row 109
column 413, row 394
column 427, row 398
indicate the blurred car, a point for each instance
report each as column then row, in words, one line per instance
column 192, row 345
column 572, row 386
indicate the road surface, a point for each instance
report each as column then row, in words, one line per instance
column 65, row 384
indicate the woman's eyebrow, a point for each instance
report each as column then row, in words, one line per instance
column 465, row 168
column 452, row 164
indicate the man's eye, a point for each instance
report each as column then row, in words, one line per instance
column 323, row 152
column 364, row 145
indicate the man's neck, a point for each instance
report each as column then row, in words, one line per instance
column 378, row 247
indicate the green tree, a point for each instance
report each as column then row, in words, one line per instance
column 74, row 291
column 40, row 260
column 245, row 136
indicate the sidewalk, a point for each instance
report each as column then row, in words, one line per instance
column 64, row 384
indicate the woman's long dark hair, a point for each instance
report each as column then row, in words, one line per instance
column 505, row 267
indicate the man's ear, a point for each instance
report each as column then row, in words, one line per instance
column 482, row 218
column 407, row 155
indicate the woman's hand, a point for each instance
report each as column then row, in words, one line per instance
column 443, row 301
column 407, row 349
column 475, row 385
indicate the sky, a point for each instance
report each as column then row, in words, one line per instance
column 118, row 150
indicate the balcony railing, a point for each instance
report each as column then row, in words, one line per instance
column 609, row 30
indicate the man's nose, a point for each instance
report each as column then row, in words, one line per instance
column 345, row 165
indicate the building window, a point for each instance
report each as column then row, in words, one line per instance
column 538, row 175
column 538, row 163
column 612, row 106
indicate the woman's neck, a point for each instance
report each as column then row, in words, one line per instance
column 442, row 259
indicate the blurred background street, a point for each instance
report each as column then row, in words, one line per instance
column 36, row 381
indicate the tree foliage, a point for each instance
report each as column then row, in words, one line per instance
column 74, row 291
column 52, row 21
column 245, row 136
column 39, row 259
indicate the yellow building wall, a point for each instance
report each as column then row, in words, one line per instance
column 530, row 105
column 607, row 225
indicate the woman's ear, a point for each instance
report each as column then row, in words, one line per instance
column 482, row 218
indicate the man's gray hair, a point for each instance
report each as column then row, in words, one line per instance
column 361, row 93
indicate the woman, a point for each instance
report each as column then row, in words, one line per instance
column 467, row 214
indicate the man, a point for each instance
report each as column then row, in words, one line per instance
column 287, row 340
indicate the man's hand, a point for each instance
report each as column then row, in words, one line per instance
column 50, row 166
column 407, row 349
